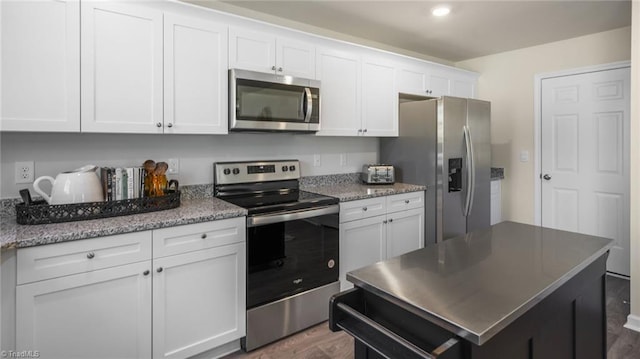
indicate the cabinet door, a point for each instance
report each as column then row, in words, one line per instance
column 339, row 73
column 40, row 66
column 361, row 243
column 295, row 58
column 463, row 88
column 100, row 314
column 412, row 81
column 405, row 232
column 195, row 76
column 379, row 98
column 121, row 69
column 198, row 301
column 251, row 50
column 438, row 84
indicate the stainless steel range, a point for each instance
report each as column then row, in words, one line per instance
column 292, row 247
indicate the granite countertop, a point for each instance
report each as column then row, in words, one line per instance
column 497, row 173
column 190, row 211
column 354, row 191
column 197, row 205
column 476, row 285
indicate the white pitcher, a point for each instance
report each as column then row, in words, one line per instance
column 79, row 185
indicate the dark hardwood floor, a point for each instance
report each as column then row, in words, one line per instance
column 319, row 342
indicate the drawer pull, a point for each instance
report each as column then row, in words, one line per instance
column 90, row 255
column 406, row 201
column 364, row 209
column 159, row 270
column 146, row 272
column 203, row 236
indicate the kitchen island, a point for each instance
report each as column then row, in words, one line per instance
column 510, row 291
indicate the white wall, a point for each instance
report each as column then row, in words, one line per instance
column 634, row 317
column 54, row 153
column 507, row 80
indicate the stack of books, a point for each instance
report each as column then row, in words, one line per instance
column 122, row 183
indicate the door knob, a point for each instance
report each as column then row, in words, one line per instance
column 546, row 177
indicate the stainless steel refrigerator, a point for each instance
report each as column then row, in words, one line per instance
column 445, row 144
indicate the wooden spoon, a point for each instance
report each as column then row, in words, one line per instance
column 149, row 166
column 161, row 168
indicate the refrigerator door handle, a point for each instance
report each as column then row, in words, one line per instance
column 471, row 171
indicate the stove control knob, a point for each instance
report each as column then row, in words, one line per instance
column 226, row 171
column 292, row 168
column 236, row 171
column 285, row 168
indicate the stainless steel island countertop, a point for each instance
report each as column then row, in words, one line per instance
column 476, row 285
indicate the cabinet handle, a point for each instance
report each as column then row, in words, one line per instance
column 203, row 236
column 359, row 130
column 159, row 124
column 273, row 67
column 384, row 222
column 365, row 130
column 159, row 269
column 279, row 69
column 364, row 209
column 90, row 255
column 390, row 220
column 146, row 272
column 406, row 201
column 170, row 125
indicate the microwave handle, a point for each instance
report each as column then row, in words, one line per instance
column 309, row 107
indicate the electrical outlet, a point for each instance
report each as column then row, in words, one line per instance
column 24, row 172
column 174, row 166
column 343, row 159
column 317, row 162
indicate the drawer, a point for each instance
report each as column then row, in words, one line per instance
column 350, row 211
column 193, row 237
column 61, row 259
column 402, row 202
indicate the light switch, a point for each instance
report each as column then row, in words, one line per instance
column 524, row 156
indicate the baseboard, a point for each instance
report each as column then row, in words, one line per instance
column 633, row 323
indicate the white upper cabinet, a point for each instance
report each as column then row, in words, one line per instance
column 340, row 106
column 379, row 98
column 40, row 66
column 434, row 81
column 195, row 76
column 121, row 57
column 263, row 52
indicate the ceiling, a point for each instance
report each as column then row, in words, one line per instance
column 473, row 29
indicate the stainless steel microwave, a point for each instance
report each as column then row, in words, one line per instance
column 268, row 102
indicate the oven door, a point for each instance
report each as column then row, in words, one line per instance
column 290, row 253
column 273, row 102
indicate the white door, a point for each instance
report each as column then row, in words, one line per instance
column 379, row 98
column 295, row 58
column 195, row 76
column 362, row 243
column 198, row 301
column 339, row 73
column 585, row 157
column 40, row 66
column 405, row 232
column 99, row 314
column 251, row 50
column 121, row 68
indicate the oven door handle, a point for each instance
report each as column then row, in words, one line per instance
column 291, row 216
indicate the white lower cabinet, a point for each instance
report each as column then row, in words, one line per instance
column 367, row 237
column 198, row 301
column 165, row 306
column 98, row 314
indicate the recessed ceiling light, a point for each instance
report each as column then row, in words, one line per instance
column 440, row 11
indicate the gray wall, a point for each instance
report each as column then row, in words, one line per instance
column 54, row 153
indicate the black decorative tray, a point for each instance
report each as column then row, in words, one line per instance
column 39, row 212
